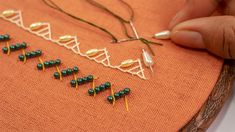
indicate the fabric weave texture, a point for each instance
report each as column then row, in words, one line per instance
column 32, row 100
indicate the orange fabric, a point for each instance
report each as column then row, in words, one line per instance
column 32, row 100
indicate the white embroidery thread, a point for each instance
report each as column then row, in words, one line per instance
column 101, row 57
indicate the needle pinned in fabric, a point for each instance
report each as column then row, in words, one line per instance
column 148, row 61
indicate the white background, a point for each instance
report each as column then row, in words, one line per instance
column 225, row 122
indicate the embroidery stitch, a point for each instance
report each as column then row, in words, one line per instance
column 72, row 44
column 64, row 73
column 14, row 47
column 70, row 71
column 99, row 89
column 29, row 55
column 118, row 95
column 48, row 64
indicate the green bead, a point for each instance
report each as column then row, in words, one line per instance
column 57, row 62
column 90, row 78
column 91, row 92
column 21, row 57
column 73, row 83
column 6, row 37
column 33, row 54
column 107, row 85
column 110, row 99
column 23, row 45
column 64, row 73
column 97, row 90
column 84, row 79
column 1, row 38
column 102, row 87
column 40, row 66
column 127, row 91
column 5, row 50
column 80, row 81
column 46, row 64
column 28, row 55
column 69, row 71
column 12, row 48
column 56, row 75
column 121, row 93
column 117, row 95
column 51, row 63
column 18, row 46
column 75, row 69
column 38, row 52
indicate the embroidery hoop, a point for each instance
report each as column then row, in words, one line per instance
column 101, row 58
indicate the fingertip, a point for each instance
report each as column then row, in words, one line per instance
column 187, row 38
column 193, row 9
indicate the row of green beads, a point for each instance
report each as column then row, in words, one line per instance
column 16, row 47
column 119, row 95
column 85, row 80
column 4, row 37
column 82, row 80
column 49, row 64
column 66, row 72
column 99, row 89
column 29, row 55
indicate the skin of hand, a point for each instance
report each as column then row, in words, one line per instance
column 195, row 27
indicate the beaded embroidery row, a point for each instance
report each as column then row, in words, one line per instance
column 100, row 56
column 43, row 65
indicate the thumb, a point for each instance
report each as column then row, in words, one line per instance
column 216, row 34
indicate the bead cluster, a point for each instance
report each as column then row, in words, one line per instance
column 99, row 89
column 4, row 37
column 67, row 72
column 16, row 47
column 29, row 55
column 82, row 80
column 118, row 95
column 48, row 64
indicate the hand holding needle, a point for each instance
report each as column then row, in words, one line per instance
column 196, row 27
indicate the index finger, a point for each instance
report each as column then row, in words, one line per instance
column 195, row 9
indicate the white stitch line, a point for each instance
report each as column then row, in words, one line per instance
column 47, row 36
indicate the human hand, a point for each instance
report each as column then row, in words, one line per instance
column 194, row 27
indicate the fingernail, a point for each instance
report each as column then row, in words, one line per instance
column 190, row 39
column 163, row 35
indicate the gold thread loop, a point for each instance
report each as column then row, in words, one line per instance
column 58, row 70
column 43, row 66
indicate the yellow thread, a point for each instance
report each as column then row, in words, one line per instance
column 112, row 93
column 43, row 66
column 93, row 86
column 25, row 59
column 9, row 50
column 126, row 103
column 58, row 70
column 75, row 78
